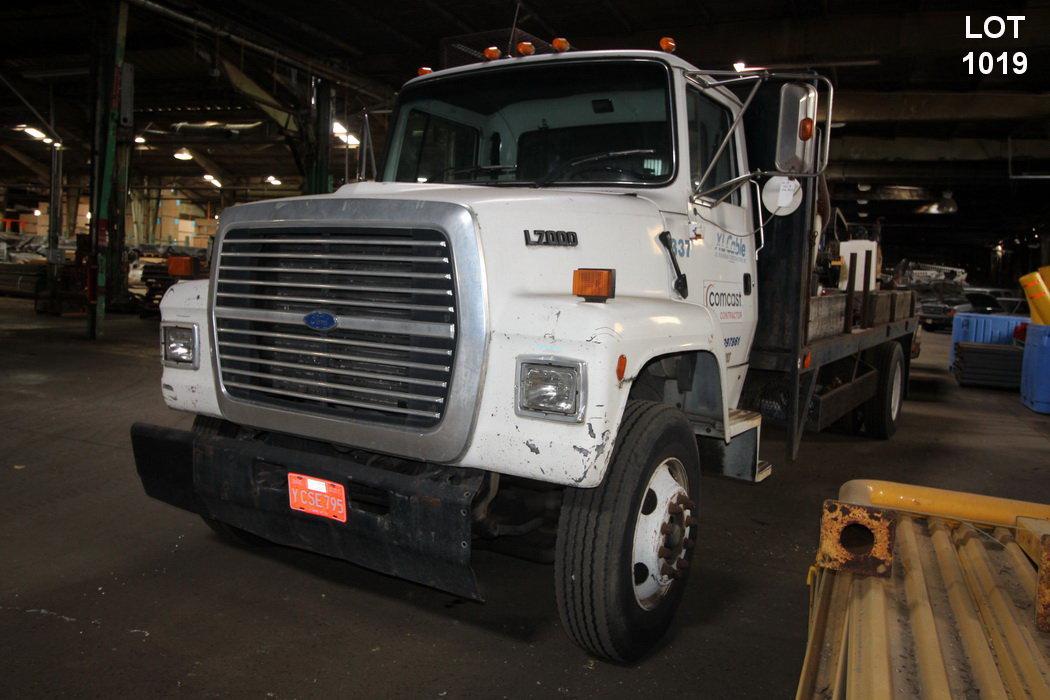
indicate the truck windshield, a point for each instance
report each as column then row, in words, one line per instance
column 552, row 123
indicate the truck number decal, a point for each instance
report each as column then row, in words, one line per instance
column 542, row 237
column 682, row 247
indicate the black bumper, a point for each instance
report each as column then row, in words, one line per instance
column 415, row 525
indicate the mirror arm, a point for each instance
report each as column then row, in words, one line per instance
column 761, row 223
column 729, row 134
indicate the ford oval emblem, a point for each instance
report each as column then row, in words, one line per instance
column 320, row 320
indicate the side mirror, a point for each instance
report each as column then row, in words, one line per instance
column 796, row 129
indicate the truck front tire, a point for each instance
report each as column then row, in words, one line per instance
column 624, row 548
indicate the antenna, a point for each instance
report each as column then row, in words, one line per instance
column 513, row 28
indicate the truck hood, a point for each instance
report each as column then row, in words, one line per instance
column 474, row 196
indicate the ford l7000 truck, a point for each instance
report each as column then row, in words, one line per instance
column 578, row 278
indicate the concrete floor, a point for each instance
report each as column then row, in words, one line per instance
column 106, row 592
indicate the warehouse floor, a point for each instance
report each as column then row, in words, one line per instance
column 106, row 592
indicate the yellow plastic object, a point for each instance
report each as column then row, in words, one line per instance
column 1044, row 272
column 952, row 505
column 1038, row 297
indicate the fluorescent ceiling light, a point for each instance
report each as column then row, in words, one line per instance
column 209, row 177
column 140, row 139
column 343, row 135
column 35, row 133
column 275, row 182
column 183, row 154
column 739, row 66
column 36, row 212
column 47, row 139
column 215, row 182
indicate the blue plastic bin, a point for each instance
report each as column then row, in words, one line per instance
column 983, row 328
column 1035, row 371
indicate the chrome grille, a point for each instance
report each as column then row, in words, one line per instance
column 389, row 358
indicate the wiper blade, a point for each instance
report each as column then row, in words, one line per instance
column 592, row 158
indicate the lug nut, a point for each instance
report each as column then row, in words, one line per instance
column 690, row 520
column 664, row 553
column 665, row 529
column 669, row 571
column 687, row 502
column 688, row 543
column 683, row 564
column 674, row 508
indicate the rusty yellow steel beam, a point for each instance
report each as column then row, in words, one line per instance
column 909, row 604
column 953, row 505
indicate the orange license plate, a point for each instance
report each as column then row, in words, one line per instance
column 308, row 494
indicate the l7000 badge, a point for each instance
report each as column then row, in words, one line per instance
column 538, row 237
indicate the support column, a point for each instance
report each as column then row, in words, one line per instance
column 318, row 177
column 110, row 62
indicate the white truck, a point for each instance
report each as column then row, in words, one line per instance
column 561, row 298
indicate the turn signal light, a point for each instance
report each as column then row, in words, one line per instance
column 621, row 367
column 491, row 53
column 805, row 129
column 525, row 48
column 594, row 284
column 667, row 44
column 560, row 44
column 424, row 70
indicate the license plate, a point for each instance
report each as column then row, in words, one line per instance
column 321, row 497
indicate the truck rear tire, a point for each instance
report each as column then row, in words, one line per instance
column 624, row 548
column 883, row 411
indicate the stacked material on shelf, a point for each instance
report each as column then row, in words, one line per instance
column 980, row 364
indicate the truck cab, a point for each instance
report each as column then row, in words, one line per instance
column 530, row 323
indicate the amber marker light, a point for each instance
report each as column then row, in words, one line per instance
column 667, row 44
column 594, row 284
column 424, row 70
column 805, row 129
column 621, row 367
column 560, row 44
column 525, row 48
column 491, row 53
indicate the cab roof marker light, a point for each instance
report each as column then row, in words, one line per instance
column 424, row 70
column 492, row 53
column 667, row 44
column 525, row 48
column 560, row 44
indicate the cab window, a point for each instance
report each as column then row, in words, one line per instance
column 709, row 122
column 435, row 147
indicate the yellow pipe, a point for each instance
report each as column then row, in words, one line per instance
column 1038, row 297
column 953, row 505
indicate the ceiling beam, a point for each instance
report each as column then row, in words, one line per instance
column 909, row 172
column 36, row 167
column 871, row 148
column 868, row 106
column 210, row 167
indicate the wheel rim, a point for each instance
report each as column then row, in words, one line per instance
column 663, row 533
column 895, row 392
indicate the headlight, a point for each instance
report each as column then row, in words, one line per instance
column 552, row 387
column 180, row 345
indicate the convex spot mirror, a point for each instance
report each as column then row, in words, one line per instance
column 781, row 195
column 796, row 129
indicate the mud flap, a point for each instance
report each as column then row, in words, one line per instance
column 415, row 524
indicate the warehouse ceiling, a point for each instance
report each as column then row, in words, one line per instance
column 914, row 133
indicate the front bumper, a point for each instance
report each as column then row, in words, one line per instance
column 413, row 524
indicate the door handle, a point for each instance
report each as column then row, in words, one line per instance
column 747, row 284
